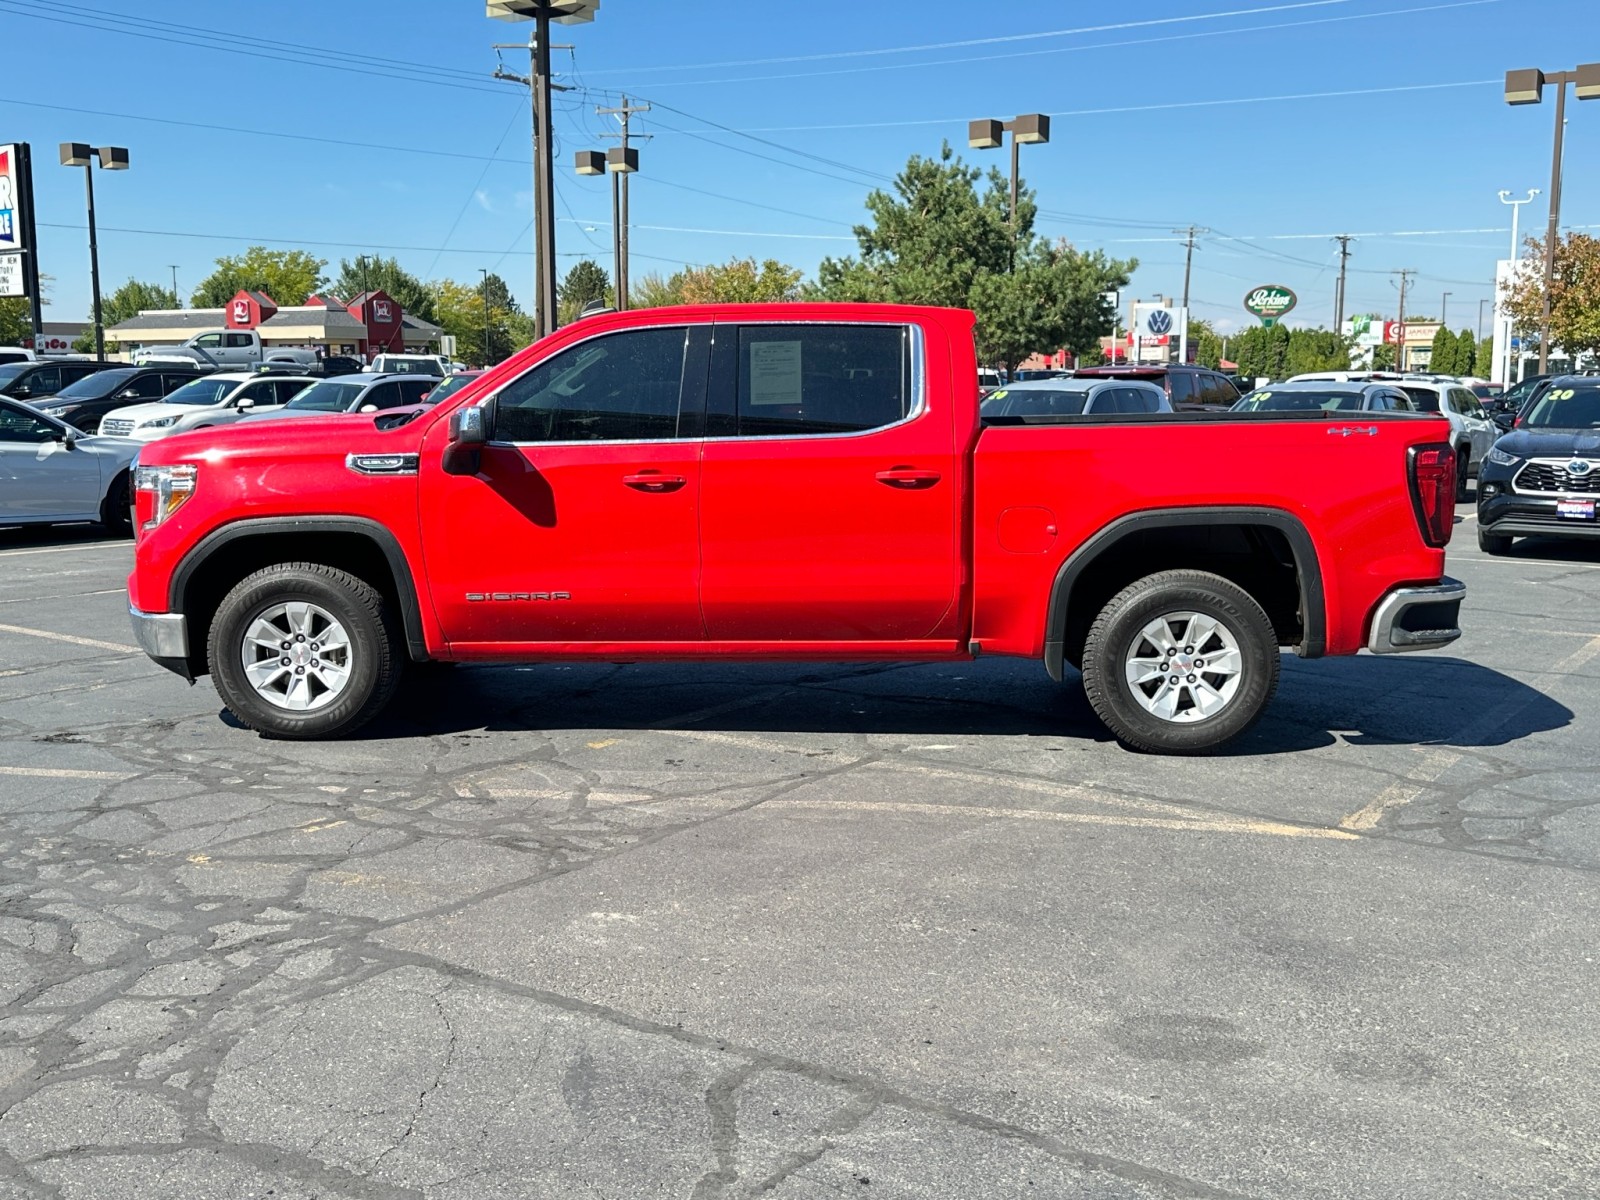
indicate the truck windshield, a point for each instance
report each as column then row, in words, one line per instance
column 1565, row 407
column 326, row 396
column 201, row 391
column 1328, row 400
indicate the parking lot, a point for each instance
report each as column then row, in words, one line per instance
column 801, row 931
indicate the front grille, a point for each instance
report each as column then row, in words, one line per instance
column 1553, row 478
column 116, row 426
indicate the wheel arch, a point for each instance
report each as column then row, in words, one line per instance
column 224, row 556
column 1106, row 562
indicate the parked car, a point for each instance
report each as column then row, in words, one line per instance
column 1069, row 397
column 16, row 354
column 85, row 403
column 1473, row 430
column 608, row 494
column 450, row 385
column 1041, row 373
column 1188, row 389
column 50, row 473
column 989, row 379
column 218, row 399
column 409, row 364
column 366, row 392
column 1311, row 395
column 228, row 348
column 323, row 368
column 1544, row 477
column 36, row 381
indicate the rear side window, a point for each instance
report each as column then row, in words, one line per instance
column 1217, row 390
column 795, row 380
column 1132, row 400
column 1426, row 399
column 238, row 340
column 618, row 387
column 283, row 391
column 1180, row 388
column 415, row 389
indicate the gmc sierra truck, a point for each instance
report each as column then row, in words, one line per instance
column 802, row 482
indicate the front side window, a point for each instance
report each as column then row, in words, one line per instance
column 412, row 391
column 796, row 380
column 326, row 396
column 1181, row 389
column 283, row 391
column 617, row 387
column 46, row 381
column 20, row 425
column 208, row 341
column 202, row 391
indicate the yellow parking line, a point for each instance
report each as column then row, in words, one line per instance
column 92, row 643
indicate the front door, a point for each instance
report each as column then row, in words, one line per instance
column 831, row 490
column 582, row 524
column 39, row 477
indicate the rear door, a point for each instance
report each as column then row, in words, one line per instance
column 582, row 524
column 830, row 491
column 1480, row 427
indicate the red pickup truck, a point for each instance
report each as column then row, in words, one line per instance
column 801, row 481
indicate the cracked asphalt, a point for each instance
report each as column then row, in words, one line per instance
column 800, row 931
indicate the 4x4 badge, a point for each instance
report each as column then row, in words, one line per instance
column 1354, row 430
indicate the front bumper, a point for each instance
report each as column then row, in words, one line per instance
column 1417, row 618
column 1518, row 514
column 165, row 638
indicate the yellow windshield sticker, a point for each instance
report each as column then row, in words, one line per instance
column 1000, row 395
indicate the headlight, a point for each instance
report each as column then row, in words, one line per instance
column 168, row 488
column 158, row 423
column 1501, row 458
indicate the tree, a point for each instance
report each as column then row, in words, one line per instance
column 1316, row 350
column 127, row 301
column 1483, row 360
column 937, row 240
column 740, row 281
column 1466, row 353
column 1383, row 357
column 369, row 273
column 459, row 309
column 585, row 283
column 288, row 276
column 1443, row 358
column 1205, row 342
column 1262, row 352
column 1574, row 295
column 651, row 290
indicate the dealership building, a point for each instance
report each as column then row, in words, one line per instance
column 371, row 323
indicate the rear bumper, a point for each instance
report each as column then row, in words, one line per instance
column 1417, row 618
column 165, row 638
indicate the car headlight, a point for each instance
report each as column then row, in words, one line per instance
column 159, row 423
column 1502, row 458
column 168, row 488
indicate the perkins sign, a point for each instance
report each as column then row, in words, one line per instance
column 1269, row 302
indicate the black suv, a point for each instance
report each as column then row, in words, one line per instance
column 1544, row 477
column 83, row 403
column 33, row 381
column 1190, row 389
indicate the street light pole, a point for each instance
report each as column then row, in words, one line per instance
column 1033, row 128
column 1527, row 87
column 1510, row 328
column 112, row 158
column 487, row 354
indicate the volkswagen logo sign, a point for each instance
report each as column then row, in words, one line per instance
column 1160, row 322
column 1579, row 467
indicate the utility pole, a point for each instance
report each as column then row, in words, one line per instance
column 1400, row 325
column 1444, row 310
column 175, row 299
column 1481, row 303
column 544, row 215
column 623, row 165
column 1189, row 235
column 1344, row 240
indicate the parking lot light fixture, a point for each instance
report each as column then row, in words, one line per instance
column 1526, row 86
column 111, row 158
column 1033, row 128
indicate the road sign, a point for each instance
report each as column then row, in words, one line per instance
column 12, row 282
column 1516, row 343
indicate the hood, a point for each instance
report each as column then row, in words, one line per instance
column 139, row 413
column 334, row 434
column 1551, row 443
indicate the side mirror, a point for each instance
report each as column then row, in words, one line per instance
column 469, row 431
column 245, row 403
column 22, row 392
column 128, row 394
column 68, row 438
column 368, row 408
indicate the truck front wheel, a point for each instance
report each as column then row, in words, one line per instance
column 303, row 650
column 1180, row 662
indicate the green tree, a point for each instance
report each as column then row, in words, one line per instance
column 1206, row 343
column 740, row 281
column 1443, row 358
column 1316, row 350
column 1466, row 353
column 288, row 276
column 485, row 334
column 127, row 301
column 374, row 273
column 1262, row 352
column 15, row 325
column 1383, row 358
column 652, row 290
column 1483, row 359
column 585, row 283
column 1574, row 295
column 938, row 239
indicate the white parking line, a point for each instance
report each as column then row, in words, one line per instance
column 1554, row 564
column 62, row 773
column 92, row 643
column 67, row 549
column 72, row 596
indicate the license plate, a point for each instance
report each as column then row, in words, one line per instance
column 1575, row 510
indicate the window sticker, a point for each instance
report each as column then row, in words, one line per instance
column 775, row 375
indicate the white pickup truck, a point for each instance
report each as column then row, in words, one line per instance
column 227, row 348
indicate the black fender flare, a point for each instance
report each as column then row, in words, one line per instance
column 1313, row 605
column 379, row 534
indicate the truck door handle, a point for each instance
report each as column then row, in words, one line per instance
column 654, row 481
column 904, row 477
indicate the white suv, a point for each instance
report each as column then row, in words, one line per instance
column 1473, row 431
column 219, row 399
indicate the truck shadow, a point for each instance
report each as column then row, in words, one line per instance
column 28, row 537
column 1423, row 700
column 1555, row 550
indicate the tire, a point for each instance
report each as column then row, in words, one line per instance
column 327, row 696
column 1121, row 637
column 1493, row 543
column 114, row 509
column 1463, row 465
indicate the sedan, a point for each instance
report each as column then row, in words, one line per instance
column 50, row 473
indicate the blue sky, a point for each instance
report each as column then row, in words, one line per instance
column 1165, row 118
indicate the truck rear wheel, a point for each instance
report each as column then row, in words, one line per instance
column 1181, row 662
column 302, row 650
